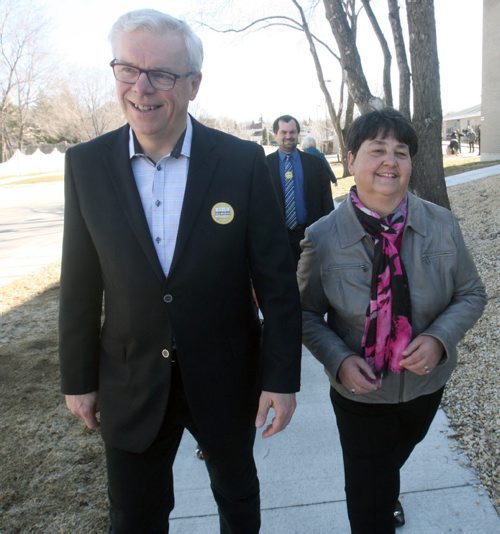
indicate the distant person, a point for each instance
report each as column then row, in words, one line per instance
column 308, row 145
column 471, row 137
column 458, row 135
column 453, row 147
column 301, row 181
column 169, row 226
column 388, row 289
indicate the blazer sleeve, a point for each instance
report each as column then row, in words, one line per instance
column 275, row 284
column 325, row 188
column 80, row 300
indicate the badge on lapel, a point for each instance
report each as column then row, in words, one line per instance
column 222, row 213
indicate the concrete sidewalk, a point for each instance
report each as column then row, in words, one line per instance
column 302, row 481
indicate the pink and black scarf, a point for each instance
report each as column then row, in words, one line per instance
column 388, row 317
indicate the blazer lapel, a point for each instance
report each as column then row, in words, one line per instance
column 117, row 161
column 274, row 167
column 202, row 163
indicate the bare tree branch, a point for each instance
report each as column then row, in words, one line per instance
column 404, row 69
column 385, row 49
column 295, row 26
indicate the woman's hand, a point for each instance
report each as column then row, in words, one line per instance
column 422, row 355
column 357, row 376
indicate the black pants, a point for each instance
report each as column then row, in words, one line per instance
column 140, row 486
column 295, row 236
column 376, row 440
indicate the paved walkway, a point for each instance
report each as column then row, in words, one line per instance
column 301, row 468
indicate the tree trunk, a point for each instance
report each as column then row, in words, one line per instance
column 385, row 49
column 349, row 56
column 404, row 70
column 427, row 179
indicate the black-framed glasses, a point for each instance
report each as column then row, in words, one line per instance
column 159, row 79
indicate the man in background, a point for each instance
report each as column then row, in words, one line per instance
column 301, row 181
column 168, row 227
column 308, row 145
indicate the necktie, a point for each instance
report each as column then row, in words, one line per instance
column 290, row 214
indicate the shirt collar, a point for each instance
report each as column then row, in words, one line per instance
column 293, row 154
column 181, row 148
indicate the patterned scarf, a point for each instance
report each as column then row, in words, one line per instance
column 388, row 317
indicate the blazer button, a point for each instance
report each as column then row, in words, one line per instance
column 168, row 298
column 165, row 353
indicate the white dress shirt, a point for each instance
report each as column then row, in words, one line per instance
column 161, row 186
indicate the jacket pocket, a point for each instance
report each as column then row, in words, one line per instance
column 347, row 287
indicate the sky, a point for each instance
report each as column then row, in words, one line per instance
column 270, row 72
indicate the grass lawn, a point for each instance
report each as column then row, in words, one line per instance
column 452, row 165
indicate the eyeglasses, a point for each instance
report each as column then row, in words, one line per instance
column 159, row 79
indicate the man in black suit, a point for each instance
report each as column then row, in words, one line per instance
column 301, row 181
column 169, row 226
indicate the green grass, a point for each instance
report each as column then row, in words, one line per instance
column 452, row 165
column 37, row 179
column 451, row 168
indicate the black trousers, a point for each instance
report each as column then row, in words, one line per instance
column 295, row 236
column 140, row 486
column 376, row 441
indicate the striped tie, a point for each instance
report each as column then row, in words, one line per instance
column 290, row 213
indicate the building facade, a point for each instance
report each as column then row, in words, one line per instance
column 490, row 99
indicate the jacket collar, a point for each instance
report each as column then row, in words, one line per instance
column 351, row 231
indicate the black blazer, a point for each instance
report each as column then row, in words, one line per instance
column 317, row 190
column 205, row 303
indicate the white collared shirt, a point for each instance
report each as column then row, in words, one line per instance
column 161, row 186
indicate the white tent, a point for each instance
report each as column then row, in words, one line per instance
column 37, row 163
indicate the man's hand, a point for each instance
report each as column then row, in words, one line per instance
column 84, row 407
column 357, row 376
column 422, row 355
column 283, row 405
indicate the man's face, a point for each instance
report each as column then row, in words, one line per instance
column 155, row 115
column 287, row 136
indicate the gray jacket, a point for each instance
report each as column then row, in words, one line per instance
column 334, row 275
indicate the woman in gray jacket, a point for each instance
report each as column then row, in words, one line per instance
column 388, row 289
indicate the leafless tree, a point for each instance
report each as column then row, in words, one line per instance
column 22, row 68
column 98, row 109
column 336, row 113
column 403, row 68
column 428, row 175
column 385, row 49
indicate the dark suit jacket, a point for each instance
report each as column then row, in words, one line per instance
column 205, row 302
column 317, row 191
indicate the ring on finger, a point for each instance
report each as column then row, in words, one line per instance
column 353, row 391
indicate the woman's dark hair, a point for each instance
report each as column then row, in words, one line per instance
column 382, row 122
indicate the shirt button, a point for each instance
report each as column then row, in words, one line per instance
column 158, row 239
column 158, row 168
column 168, row 298
column 165, row 353
column 157, row 203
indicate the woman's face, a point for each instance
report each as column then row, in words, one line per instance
column 381, row 169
